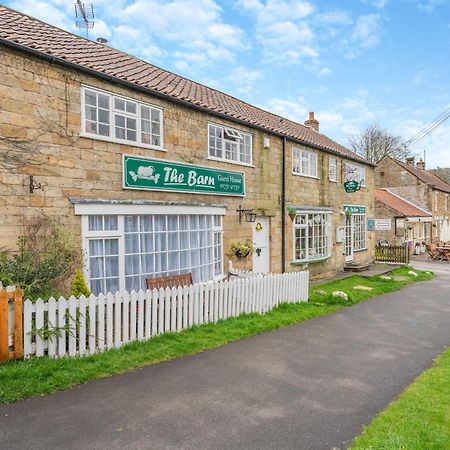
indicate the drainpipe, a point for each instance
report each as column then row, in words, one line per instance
column 283, row 206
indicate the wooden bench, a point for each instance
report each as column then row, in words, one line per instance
column 185, row 279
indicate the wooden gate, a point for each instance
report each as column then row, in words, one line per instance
column 11, row 324
column 394, row 254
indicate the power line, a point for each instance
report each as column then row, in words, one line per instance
column 439, row 120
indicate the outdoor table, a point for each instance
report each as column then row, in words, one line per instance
column 444, row 253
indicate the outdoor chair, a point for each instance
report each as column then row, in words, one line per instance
column 433, row 254
column 182, row 280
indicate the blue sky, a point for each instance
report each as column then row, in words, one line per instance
column 353, row 62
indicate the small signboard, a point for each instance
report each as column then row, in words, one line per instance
column 352, row 209
column 351, row 186
column 161, row 175
column 370, row 224
column 400, row 223
column 383, row 224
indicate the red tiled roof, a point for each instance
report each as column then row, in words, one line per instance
column 33, row 35
column 426, row 176
column 399, row 204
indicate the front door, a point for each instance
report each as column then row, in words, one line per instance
column 261, row 245
column 349, row 253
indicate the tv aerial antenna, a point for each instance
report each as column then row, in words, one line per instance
column 84, row 16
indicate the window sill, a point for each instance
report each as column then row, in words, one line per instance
column 309, row 261
column 229, row 161
column 305, row 176
column 118, row 141
column 361, row 250
column 333, row 181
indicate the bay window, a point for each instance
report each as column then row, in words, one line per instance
column 123, row 250
column 312, row 236
column 114, row 118
column 228, row 144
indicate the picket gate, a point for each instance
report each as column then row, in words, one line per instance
column 85, row 326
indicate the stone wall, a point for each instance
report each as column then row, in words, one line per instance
column 40, row 137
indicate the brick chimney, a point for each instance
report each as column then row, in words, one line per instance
column 410, row 160
column 420, row 164
column 312, row 122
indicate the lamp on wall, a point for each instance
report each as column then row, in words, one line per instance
column 250, row 216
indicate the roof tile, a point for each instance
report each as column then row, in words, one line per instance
column 31, row 33
column 399, row 204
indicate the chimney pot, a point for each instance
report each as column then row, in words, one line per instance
column 420, row 164
column 410, row 160
column 312, row 122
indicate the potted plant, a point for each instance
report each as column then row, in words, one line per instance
column 292, row 212
column 417, row 248
column 241, row 250
column 423, row 247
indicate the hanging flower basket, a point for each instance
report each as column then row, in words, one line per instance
column 241, row 250
column 292, row 212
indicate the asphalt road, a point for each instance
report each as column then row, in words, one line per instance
column 307, row 386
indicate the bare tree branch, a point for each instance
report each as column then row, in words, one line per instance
column 375, row 142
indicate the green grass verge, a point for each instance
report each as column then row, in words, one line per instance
column 419, row 419
column 39, row 376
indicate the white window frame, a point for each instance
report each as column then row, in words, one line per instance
column 112, row 114
column 358, row 169
column 237, row 134
column 86, row 210
column 327, row 215
column 359, row 245
column 332, row 169
column 300, row 155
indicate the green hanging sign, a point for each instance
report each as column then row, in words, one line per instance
column 161, row 175
column 351, row 209
column 351, row 186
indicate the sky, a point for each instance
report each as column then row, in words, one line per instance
column 353, row 62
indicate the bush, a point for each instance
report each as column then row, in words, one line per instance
column 46, row 258
column 79, row 286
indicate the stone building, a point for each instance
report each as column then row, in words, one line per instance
column 423, row 188
column 399, row 221
column 153, row 171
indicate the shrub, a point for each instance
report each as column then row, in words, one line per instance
column 46, row 258
column 79, row 286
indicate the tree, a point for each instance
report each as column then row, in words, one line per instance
column 375, row 142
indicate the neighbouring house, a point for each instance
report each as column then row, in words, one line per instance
column 423, row 188
column 399, row 221
column 160, row 175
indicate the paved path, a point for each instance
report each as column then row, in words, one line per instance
column 308, row 386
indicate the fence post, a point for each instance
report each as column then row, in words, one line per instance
column 18, row 323
column 4, row 315
column 17, row 336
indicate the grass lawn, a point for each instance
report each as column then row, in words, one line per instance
column 419, row 419
column 39, row 376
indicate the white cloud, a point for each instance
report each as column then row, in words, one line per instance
column 244, row 79
column 251, row 5
column 294, row 109
column 378, row 4
column 367, row 31
column 430, row 6
column 324, row 72
column 335, row 17
column 47, row 11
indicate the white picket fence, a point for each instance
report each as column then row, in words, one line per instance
column 89, row 325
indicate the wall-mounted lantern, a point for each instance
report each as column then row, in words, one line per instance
column 250, row 216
